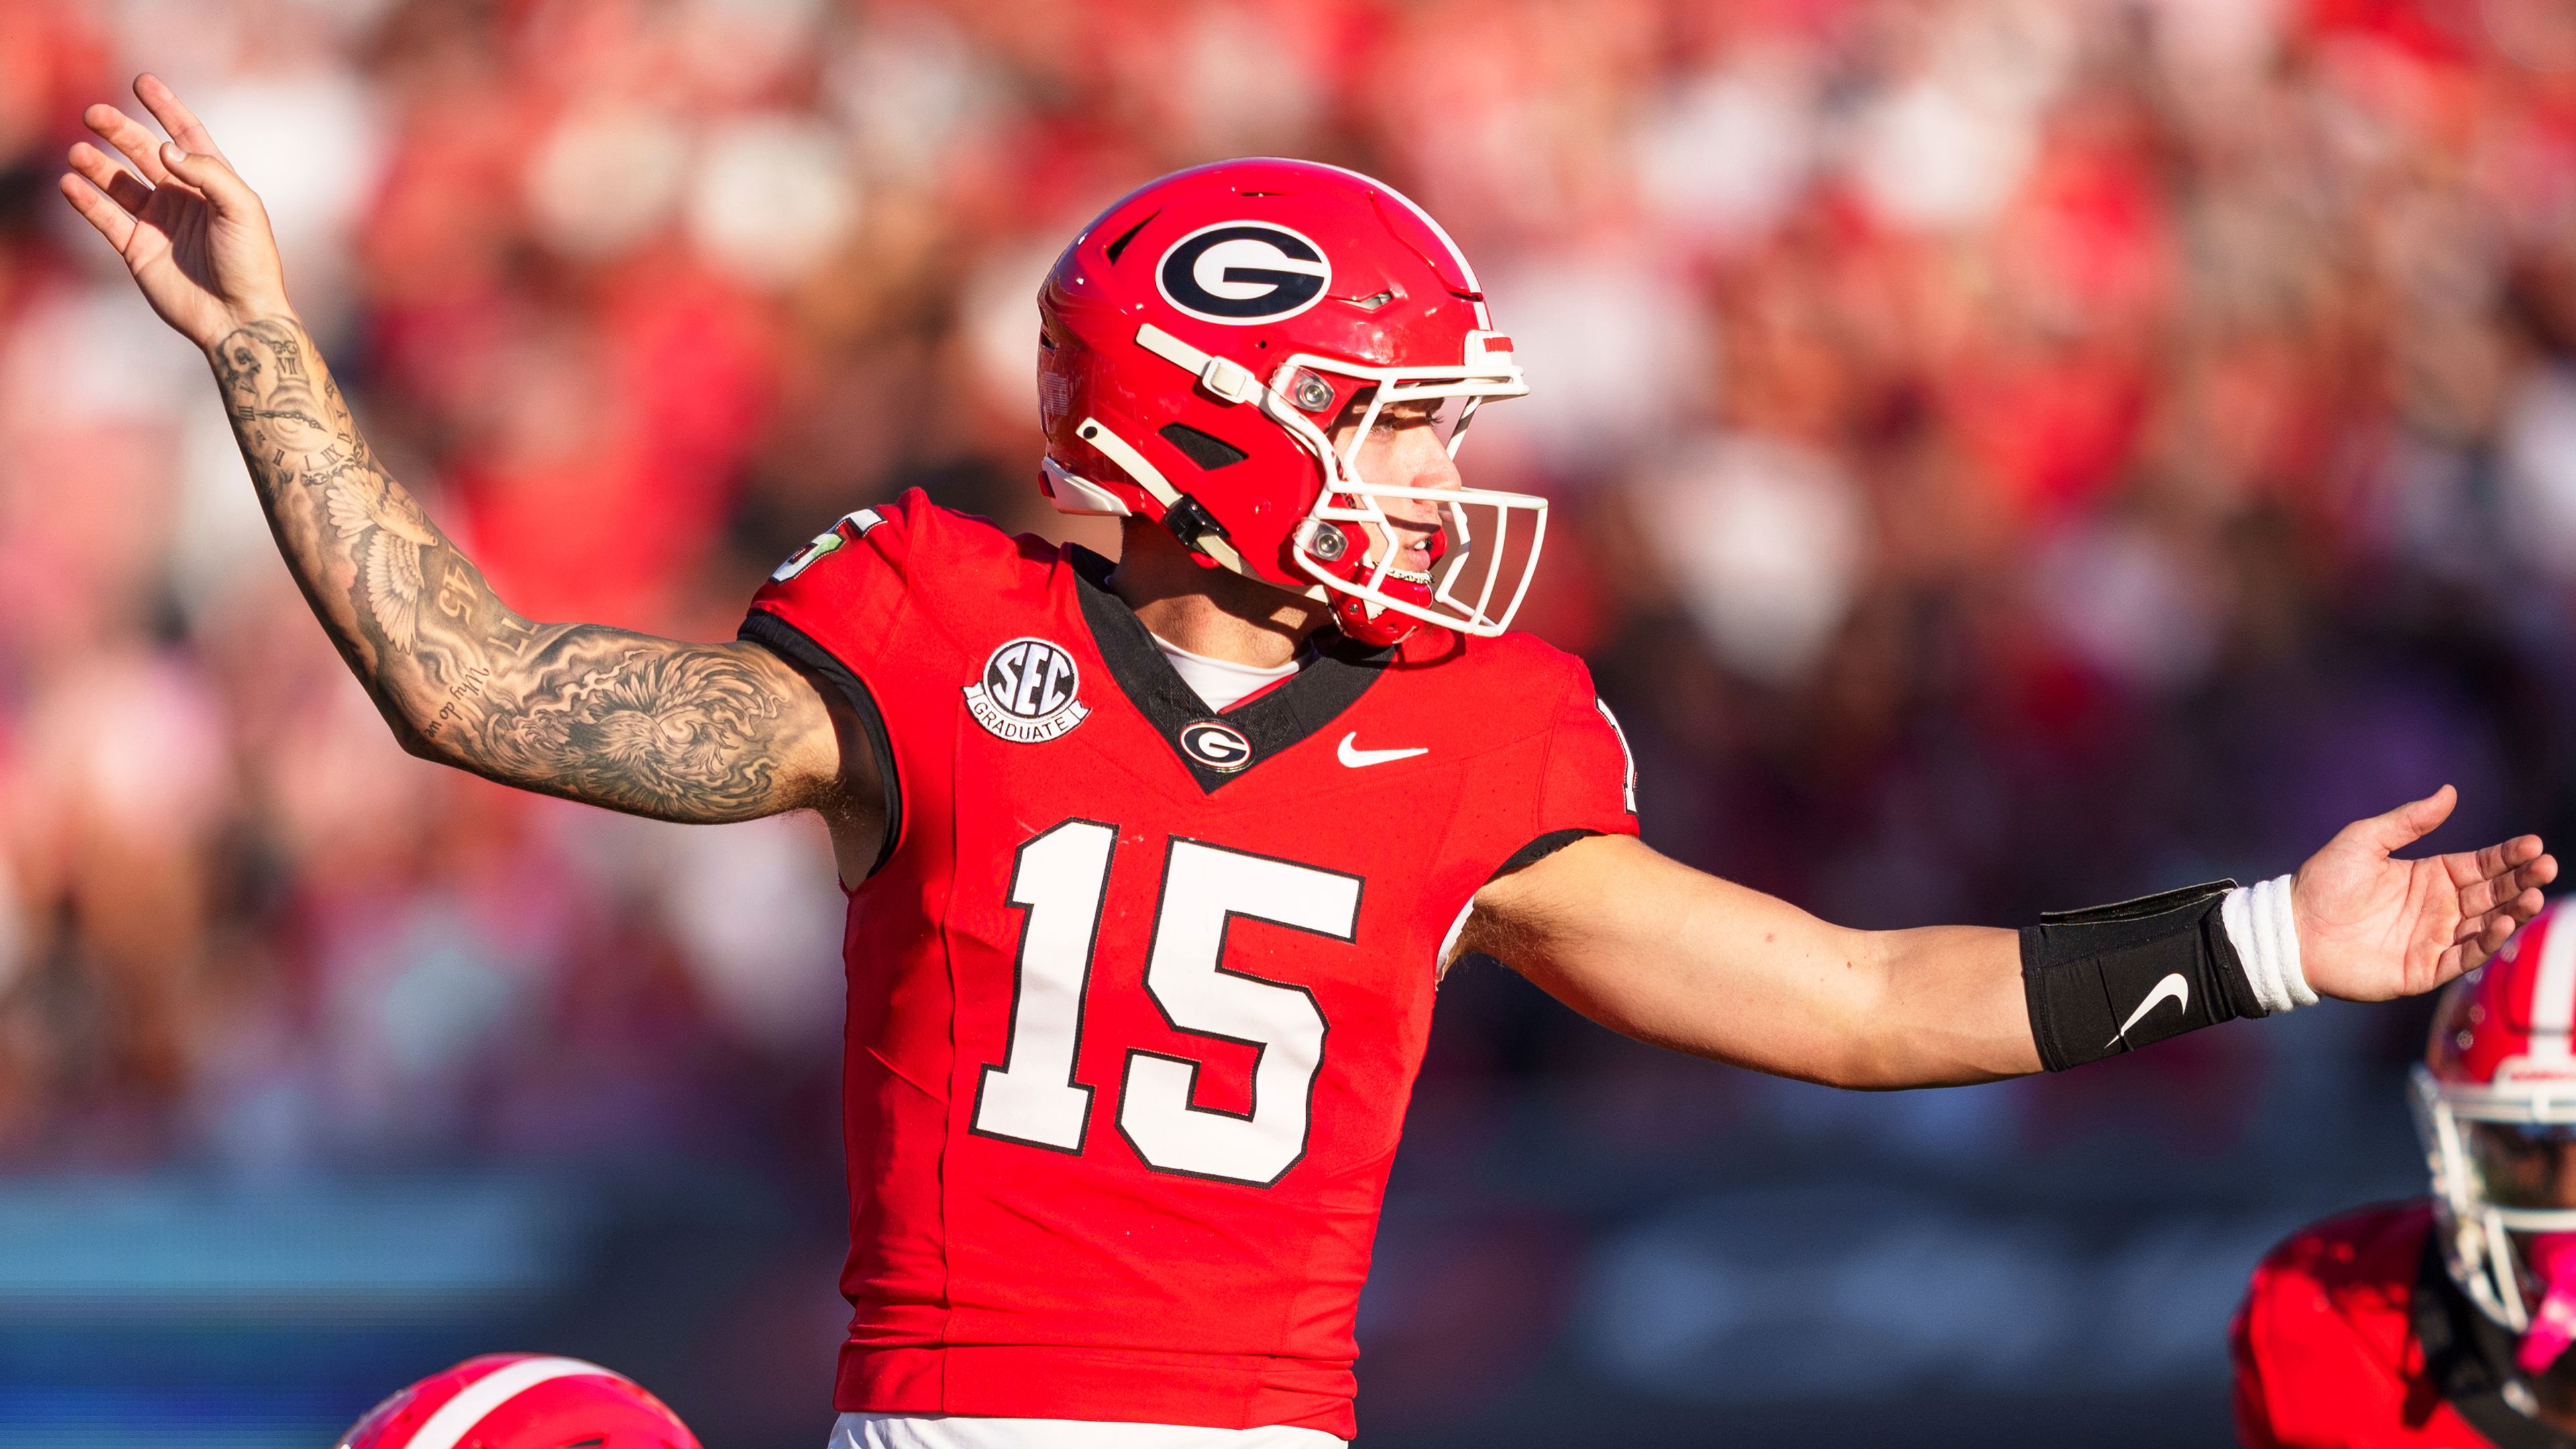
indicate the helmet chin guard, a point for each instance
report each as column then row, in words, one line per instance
column 1202, row 335
column 1365, row 582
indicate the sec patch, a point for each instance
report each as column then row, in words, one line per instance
column 1028, row 694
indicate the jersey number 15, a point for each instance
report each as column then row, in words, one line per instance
column 1061, row 876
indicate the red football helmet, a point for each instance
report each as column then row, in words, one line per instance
column 521, row 1401
column 2498, row 1081
column 1202, row 336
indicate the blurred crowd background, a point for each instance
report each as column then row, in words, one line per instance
column 2006, row 455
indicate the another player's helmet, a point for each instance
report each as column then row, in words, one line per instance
column 2498, row 1084
column 1198, row 342
column 521, row 1401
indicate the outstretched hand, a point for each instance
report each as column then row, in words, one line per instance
column 195, row 237
column 2372, row 928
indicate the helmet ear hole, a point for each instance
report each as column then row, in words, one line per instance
column 1207, row 450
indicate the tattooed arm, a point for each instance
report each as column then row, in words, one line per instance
column 659, row 727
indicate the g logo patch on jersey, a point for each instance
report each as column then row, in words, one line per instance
column 1217, row 746
column 1027, row 694
column 1243, row 272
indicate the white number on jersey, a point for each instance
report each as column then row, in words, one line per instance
column 1060, row 877
column 1032, row 1097
column 828, row 541
column 1204, row 888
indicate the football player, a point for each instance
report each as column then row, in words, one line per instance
column 1153, row 865
column 521, row 1401
column 2444, row 1322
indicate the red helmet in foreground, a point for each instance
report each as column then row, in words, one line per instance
column 2495, row 1103
column 1199, row 341
column 521, row 1401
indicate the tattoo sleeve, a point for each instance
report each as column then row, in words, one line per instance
column 659, row 727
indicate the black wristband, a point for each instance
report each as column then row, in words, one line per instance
column 2101, row 981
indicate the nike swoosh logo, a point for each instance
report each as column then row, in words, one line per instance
column 2172, row 988
column 1358, row 759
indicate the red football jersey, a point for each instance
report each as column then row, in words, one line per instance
column 2352, row 1336
column 1138, row 989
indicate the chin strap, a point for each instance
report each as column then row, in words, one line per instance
column 1185, row 516
column 1228, row 381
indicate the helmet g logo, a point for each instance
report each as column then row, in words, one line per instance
column 1242, row 272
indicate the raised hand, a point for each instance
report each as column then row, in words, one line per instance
column 195, row 237
column 2372, row 927
column 660, row 727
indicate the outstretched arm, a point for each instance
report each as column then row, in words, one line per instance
column 659, row 727
column 1669, row 955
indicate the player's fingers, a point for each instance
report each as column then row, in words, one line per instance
column 2500, row 891
column 98, row 210
column 2474, row 947
column 124, row 186
column 2451, row 963
column 2496, row 860
column 131, row 137
column 2507, row 890
column 2471, row 927
column 227, row 193
column 2500, row 920
column 175, row 117
column 2411, row 821
column 2500, row 929
column 2538, row 873
column 2477, row 898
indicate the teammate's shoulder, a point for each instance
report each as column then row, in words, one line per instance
column 2373, row 1248
column 2328, row 1319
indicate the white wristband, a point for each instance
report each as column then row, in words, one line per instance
column 2266, row 938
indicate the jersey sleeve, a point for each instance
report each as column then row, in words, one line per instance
column 1588, row 782
column 836, row 607
column 845, row 590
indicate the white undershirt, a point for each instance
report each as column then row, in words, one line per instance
column 1220, row 682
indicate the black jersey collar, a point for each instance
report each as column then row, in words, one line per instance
column 1258, row 728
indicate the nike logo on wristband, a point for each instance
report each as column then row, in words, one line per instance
column 2172, row 988
column 1359, row 759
